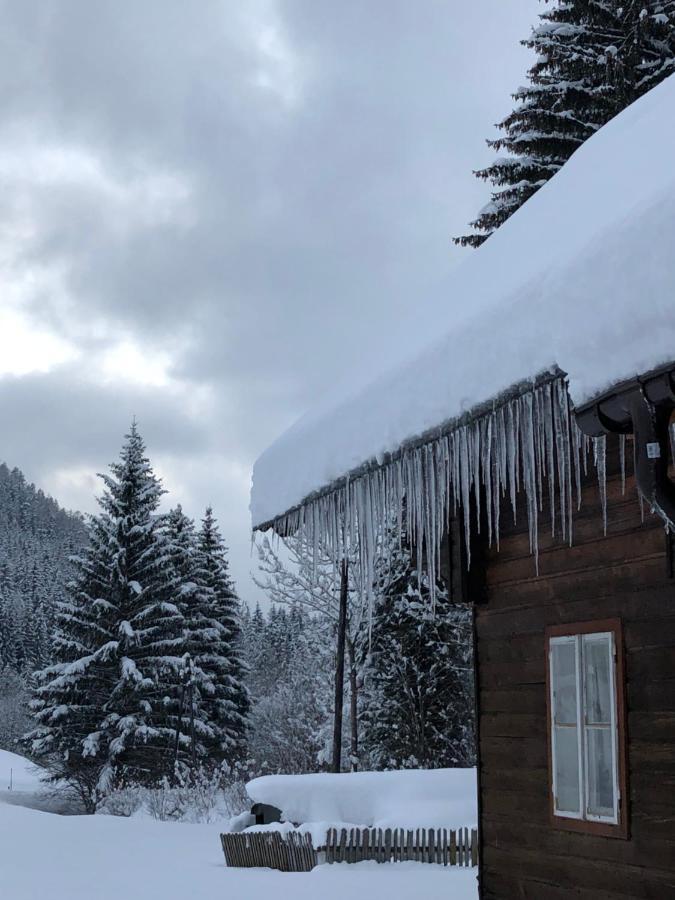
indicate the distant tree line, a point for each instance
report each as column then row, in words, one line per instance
column 37, row 539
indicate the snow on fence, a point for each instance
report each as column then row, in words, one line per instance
column 294, row 851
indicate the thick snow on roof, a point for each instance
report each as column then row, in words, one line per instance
column 417, row 798
column 582, row 277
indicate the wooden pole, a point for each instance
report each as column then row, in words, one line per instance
column 353, row 707
column 340, row 669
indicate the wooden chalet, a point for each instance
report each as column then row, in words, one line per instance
column 546, row 500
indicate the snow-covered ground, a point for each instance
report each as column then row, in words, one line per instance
column 20, row 785
column 23, row 776
column 107, row 858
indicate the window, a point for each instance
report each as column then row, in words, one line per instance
column 586, row 727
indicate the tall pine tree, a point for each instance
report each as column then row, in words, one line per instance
column 417, row 700
column 107, row 710
column 214, row 628
column 594, row 57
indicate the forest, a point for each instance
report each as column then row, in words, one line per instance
column 129, row 660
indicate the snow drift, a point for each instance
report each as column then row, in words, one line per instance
column 437, row 798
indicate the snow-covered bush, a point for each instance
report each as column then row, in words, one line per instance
column 200, row 796
column 124, row 801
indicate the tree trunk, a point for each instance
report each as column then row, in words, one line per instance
column 353, row 707
column 340, row 670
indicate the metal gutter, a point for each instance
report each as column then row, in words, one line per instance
column 643, row 407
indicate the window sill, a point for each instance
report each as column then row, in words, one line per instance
column 602, row 829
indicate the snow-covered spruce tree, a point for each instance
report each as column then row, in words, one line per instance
column 107, row 710
column 290, row 672
column 214, row 629
column 417, row 700
column 594, row 57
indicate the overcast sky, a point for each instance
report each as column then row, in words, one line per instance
column 207, row 209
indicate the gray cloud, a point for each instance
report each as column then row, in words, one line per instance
column 251, row 189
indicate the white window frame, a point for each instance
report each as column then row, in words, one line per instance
column 583, row 727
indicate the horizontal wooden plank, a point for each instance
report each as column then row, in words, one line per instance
column 498, row 885
column 654, row 727
column 654, row 696
column 516, row 804
column 652, row 663
column 513, row 752
column 655, row 632
column 629, row 881
column 647, row 754
column 508, row 675
column 525, row 778
column 637, row 851
column 642, row 591
column 526, row 626
column 527, row 698
column 602, row 554
column 512, row 724
column 623, row 516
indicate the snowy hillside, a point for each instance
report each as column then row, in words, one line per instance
column 18, row 772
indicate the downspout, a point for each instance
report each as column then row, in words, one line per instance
column 641, row 407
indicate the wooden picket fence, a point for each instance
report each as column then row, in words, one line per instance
column 294, row 852
column 428, row 845
column 291, row 852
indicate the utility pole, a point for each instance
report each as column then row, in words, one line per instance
column 340, row 668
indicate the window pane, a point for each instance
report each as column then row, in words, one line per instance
column 600, row 772
column 564, row 681
column 597, row 674
column 566, row 755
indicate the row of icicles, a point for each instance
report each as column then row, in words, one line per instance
column 530, row 443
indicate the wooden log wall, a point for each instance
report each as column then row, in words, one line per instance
column 625, row 574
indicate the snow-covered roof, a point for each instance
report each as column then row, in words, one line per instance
column 416, row 798
column 581, row 279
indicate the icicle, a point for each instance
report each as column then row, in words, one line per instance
column 512, row 455
column 600, row 456
column 577, row 461
column 514, row 445
column 529, row 463
column 622, row 462
column 550, row 453
column 465, row 489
